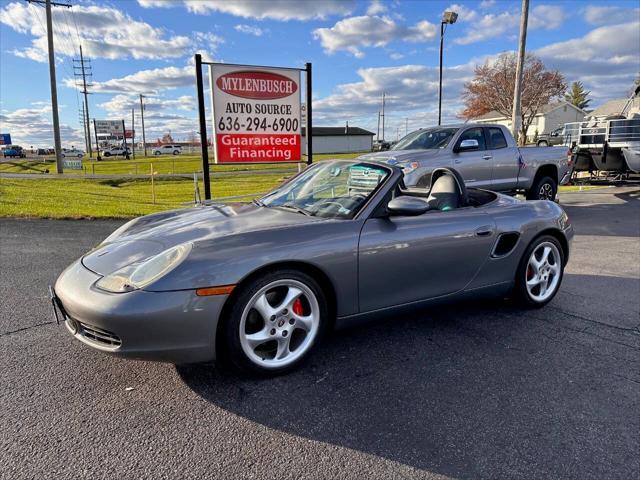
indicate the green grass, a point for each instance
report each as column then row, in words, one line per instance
column 163, row 164
column 121, row 198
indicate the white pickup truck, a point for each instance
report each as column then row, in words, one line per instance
column 485, row 155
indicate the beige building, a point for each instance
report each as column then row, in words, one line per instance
column 550, row 117
column 614, row 107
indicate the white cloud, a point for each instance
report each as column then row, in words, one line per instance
column 122, row 104
column 606, row 60
column 608, row 15
column 487, row 3
column 262, row 9
column 106, row 32
column 492, row 25
column 33, row 127
column 376, row 7
column 411, row 91
column 370, row 31
column 145, row 81
column 396, row 56
column 249, row 29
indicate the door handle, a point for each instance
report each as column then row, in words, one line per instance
column 485, row 231
column 487, row 157
column 457, row 160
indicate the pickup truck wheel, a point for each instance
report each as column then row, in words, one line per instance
column 543, row 143
column 544, row 188
column 106, row 154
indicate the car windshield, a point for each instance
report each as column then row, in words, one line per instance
column 431, row 138
column 328, row 189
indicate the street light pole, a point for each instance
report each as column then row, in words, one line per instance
column 447, row 18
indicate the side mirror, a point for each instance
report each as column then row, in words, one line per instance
column 468, row 144
column 407, row 206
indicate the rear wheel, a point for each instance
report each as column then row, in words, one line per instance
column 543, row 143
column 540, row 272
column 544, row 188
column 274, row 323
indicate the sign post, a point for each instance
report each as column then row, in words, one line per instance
column 257, row 115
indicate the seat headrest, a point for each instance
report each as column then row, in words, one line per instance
column 459, row 181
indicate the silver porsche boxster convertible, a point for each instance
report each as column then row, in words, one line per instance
column 261, row 283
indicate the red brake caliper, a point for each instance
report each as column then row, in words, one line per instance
column 297, row 307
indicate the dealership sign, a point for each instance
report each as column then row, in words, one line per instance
column 5, row 139
column 72, row 164
column 256, row 113
column 109, row 128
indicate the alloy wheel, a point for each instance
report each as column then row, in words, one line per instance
column 545, row 192
column 543, row 271
column 279, row 323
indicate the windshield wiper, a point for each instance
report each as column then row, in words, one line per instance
column 295, row 208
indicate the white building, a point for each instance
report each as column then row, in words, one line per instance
column 550, row 117
column 339, row 140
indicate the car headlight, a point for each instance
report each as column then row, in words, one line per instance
column 136, row 276
column 409, row 167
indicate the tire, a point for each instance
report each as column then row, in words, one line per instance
column 176, row 152
column 543, row 143
column 544, row 188
column 156, row 153
column 106, row 154
column 528, row 292
column 251, row 343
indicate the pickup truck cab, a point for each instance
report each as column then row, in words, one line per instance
column 486, row 155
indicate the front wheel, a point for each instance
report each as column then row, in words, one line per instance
column 274, row 323
column 544, row 188
column 543, row 143
column 176, row 152
column 540, row 272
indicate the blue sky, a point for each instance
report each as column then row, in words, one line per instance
column 358, row 49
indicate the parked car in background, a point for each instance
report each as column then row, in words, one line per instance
column 486, row 155
column 555, row 137
column 167, row 150
column 381, row 145
column 72, row 152
column 42, row 151
column 116, row 151
column 13, row 151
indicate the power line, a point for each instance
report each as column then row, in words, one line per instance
column 84, row 70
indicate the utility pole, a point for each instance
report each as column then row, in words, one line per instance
column 516, row 117
column 448, row 18
column 82, row 68
column 378, row 133
column 383, row 94
column 85, row 130
column 52, row 79
column 133, row 135
column 144, row 138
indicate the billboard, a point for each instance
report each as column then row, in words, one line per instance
column 5, row 139
column 256, row 113
column 109, row 128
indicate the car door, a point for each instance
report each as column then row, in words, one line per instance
column 405, row 259
column 506, row 162
column 476, row 165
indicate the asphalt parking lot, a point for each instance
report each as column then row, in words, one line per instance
column 480, row 390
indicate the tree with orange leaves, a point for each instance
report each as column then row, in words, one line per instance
column 492, row 88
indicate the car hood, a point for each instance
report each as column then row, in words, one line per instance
column 394, row 157
column 147, row 236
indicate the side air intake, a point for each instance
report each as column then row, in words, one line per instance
column 505, row 244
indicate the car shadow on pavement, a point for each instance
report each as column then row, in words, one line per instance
column 474, row 390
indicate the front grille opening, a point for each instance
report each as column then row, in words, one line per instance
column 99, row 335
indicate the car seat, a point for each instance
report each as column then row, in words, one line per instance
column 447, row 190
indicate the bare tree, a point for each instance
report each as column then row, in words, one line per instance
column 492, row 89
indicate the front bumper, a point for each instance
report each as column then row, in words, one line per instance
column 175, row 326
